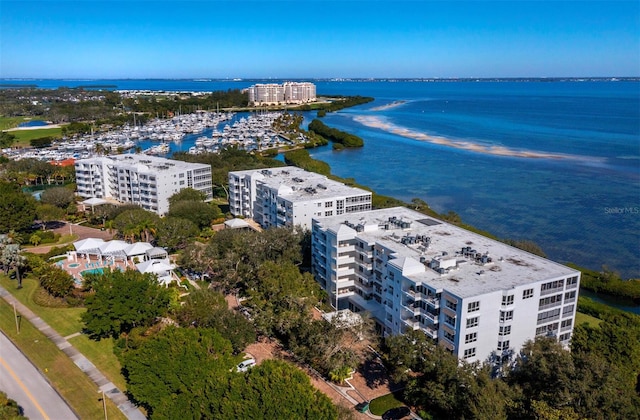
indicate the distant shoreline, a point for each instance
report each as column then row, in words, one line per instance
column 332, row 79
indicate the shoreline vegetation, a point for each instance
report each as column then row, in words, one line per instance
column 340, row 139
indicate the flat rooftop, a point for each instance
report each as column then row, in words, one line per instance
column 296, row 184
column 144, row 163
column 471, row 264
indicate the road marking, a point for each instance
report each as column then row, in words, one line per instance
column 24, row 388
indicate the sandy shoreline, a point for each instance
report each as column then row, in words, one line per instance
column 376, row 122
column 393, row 104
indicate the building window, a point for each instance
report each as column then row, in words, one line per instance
column 328, row 204
column 505, row 330
column 567, row 309
column 558, row 284
column 328, row 213
column 566, row 323
column 547, row 316
column 450, row 320
column 528, row 293
column 470, row 338
column 572, row 282
column 473, row 322
column 469, row 352
column 507, row 300
column 449, row 336
column 451, row 305
column 565, row 337
column 473, row 306
column 506, row 316
column 503, row 345
column 550, row 302
column 570, row 296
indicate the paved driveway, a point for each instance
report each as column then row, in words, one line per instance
column 83, row 232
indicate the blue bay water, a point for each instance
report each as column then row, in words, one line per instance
column 454, row 145
column 581, row 205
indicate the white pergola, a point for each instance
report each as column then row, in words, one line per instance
column 114, row 249
column 161, row 268
column 93, row 202
column 236, row 224
column 138, row 250
column 89, row 246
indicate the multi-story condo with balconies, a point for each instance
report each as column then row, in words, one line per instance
column 476, row 296
column 290, row 196
column 288, row 93
column 148, row 181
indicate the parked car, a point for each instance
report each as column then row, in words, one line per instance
column 246, row 365
column 396, row 413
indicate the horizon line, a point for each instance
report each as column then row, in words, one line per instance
column 210, row 79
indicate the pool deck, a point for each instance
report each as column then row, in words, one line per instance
column 84, row 264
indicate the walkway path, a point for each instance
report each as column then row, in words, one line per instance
column 105, row 386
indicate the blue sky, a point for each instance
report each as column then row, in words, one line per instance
column 315, row 39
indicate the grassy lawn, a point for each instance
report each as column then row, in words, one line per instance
column 24, row 136
column 64, row 240
column 75, row 387
column 12, row 122
column 101, row 354
column 66, row 321
column 590, row 320
column 381, row 404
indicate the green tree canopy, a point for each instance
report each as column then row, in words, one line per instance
column 233, row 257
column 275, row 390
column 187, row 194
column 208, row 309
column 56, row 281
column 136, row 224
column 456, row 390
column 122, row 301
column 180, row 373
column 49, row 213
column 58, row 196
column 17, row 209
column 175, row 233
column 9, row 409
column 199, row 213
column 6, row 139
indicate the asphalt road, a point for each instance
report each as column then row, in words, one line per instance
column 22, row 382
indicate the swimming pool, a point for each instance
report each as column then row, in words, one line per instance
column 99, row 270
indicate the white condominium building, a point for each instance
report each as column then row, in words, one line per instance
column 476, row 296
column 299, row 93
column 290, row 196
column 287, row 93
column 148, row 181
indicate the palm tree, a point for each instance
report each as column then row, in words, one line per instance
column 34, row 239
column 146, row 227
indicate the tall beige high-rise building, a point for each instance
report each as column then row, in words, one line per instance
column 288, row 93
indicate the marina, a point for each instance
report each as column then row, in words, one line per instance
column 195, row 133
